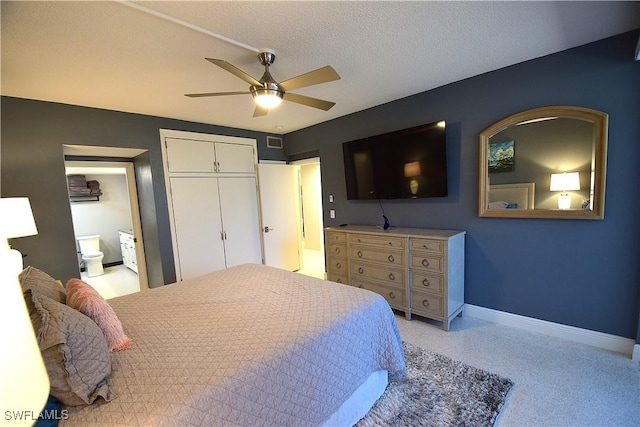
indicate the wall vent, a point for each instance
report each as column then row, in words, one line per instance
column 273, row 142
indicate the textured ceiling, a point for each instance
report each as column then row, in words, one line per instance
column 110, row 55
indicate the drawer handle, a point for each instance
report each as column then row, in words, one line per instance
column 360, row 270
column 425, row 282
column 425, row 262
column 359, row 241
column 390, row 243
column 425, row 246
column 391, row 276
column 337, row 250
column 392, row 295
column 338, row 265
column 391, row 258
column 359, row 254
column 425, row 302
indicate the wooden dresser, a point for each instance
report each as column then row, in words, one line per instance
column 416, row 270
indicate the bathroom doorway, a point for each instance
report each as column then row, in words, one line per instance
column 114, row 215
column 313, row 263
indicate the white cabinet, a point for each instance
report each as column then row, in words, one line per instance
column 128, row 249
column 216, row 223
column 187, row 155
column 213, row 201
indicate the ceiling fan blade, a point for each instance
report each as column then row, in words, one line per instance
column 308, row 101
column 260, row 111
column 199, row 95
column 235, row 71
column 321, row 75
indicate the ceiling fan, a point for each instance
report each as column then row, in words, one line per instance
column 268, row 93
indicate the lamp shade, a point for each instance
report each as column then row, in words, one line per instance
column 25, row 384
column 411, row 169
column 567, row 181
column 16, row 218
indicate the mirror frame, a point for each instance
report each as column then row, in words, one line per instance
column 600, row 121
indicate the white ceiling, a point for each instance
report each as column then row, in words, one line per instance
column 109, row 55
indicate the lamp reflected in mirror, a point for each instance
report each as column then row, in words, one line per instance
column 565, row 182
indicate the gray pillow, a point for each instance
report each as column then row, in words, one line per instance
column 75, row 353
column 41, row 283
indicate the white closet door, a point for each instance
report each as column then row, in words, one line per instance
column 239, row 202
column 184, row 155
column 235, row 158
column 198, row 226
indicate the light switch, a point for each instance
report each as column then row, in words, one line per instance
column 332, row 213
column 330, row 198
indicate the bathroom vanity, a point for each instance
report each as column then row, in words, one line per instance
column 128, row 248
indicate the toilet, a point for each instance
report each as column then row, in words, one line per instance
column 91, row 255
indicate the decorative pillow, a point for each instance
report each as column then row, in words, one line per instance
column 82, row 297
column 37, row 282
column 43, row 284
column 75, row 353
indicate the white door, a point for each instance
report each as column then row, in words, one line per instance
column 279, row 202
column 241, row 225
column 198, row 226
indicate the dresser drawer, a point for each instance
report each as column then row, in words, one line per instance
column 335, row 237
column 428, row 262
column 337, row 266
column 426, row 304
column 425, row 282
column 395, row 297
column 383, row 273
column 385, row 257
column 338, row 278
column 382, row 241
column 427, row 245
column 337, row 250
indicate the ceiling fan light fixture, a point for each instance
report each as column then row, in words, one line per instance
column 267, row 98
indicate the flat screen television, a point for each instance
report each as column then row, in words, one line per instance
column 409, row 163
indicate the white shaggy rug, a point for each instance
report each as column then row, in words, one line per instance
column 439, row 391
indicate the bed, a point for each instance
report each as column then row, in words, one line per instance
column 249, row 345
column 512, row 196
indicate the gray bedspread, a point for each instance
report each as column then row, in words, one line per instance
column 249, row 345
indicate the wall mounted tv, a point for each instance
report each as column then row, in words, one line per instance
column 409, row 163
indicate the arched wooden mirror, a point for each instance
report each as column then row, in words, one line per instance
column 547, row 162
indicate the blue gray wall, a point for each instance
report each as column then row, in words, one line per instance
column 32, row 165
column 574, row 272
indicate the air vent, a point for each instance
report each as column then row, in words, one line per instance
column 273, row 142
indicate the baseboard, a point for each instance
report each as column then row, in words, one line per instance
column 610, row 342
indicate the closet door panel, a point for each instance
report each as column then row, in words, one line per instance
column 198, row 226
column 184, row 155
column 239, row 204
column 235, row 158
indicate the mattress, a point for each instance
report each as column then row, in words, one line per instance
column 249, row 345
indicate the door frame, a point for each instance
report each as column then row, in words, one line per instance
column 302, row 162
column 134, row 207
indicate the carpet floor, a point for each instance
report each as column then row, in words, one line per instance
column 438, row 391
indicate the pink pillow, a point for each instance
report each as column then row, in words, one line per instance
column 85, row 299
